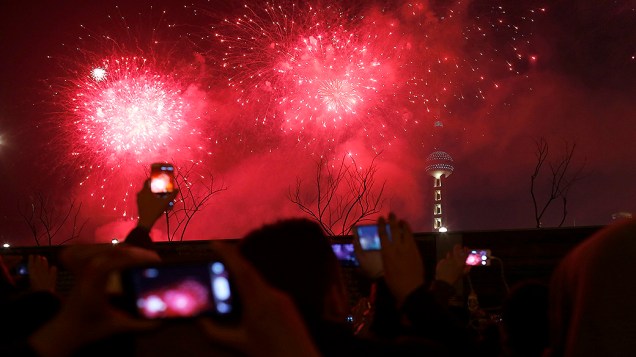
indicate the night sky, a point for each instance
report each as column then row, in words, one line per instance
column 504, row 74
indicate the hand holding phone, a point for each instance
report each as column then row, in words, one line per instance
column 88, row 313
column 452, row 267
column 21, row 269
column 270, row 324
column 157, row 195
column 42, row 275
column 367, row 248
column 402, row 263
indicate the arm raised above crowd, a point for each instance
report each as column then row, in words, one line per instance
column 150, row 207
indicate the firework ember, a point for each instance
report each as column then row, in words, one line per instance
column 98, row 74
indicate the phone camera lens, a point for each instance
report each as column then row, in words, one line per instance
column 218, row 268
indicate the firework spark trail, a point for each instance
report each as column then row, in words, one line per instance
column 314, row 67
column 306, row 61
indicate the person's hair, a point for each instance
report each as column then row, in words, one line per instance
column 525, row 318
column 295, row 256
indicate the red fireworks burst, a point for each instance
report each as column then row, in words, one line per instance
column 317, row 72
column 370, row 68
column 126, row 114
column 125, row 109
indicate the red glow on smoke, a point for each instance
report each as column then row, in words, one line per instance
column 323, row 71
column 282, row 76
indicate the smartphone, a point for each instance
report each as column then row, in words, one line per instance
column 22, row 269
column 369, row 237
column 18, row 264
column 478, row 257
column 180, row 290
column 345, row 253
column 162, row 178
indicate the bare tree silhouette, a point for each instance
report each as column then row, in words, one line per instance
column 561, row 178
column 48, row 221
column 341, row 196
column 195, row 191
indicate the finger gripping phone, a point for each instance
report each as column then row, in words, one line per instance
column 369, row 236
column 162, row 179
column 180, row 290
column 478, row 257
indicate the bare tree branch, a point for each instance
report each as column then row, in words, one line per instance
column 345, row 195
column 46, row 221
column 561, row 179
column 195, row 191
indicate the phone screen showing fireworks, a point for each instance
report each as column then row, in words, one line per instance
column 369, row 237
column 345, row 253
column 478, row 257
column 162, row 179
column 180, row 291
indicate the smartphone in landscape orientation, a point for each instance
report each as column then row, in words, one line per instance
column 369, row 237
column 345, row 253
column 478, row 257
column 162, row 180
column 180, row 290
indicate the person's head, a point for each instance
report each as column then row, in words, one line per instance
column 592, row 294
column 525, row 319
column 295, row 256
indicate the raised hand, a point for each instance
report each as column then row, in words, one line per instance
column 270, row 323
column 151, row 206
column 403, row 265
column 42, row 276
column 453, row 267
column 87, row 316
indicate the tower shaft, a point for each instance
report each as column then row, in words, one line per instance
column 438, row 221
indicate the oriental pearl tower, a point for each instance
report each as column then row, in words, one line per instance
column 438, row 164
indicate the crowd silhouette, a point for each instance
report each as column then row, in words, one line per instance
column 289, row 298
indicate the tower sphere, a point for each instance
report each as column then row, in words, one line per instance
column 439, row 163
